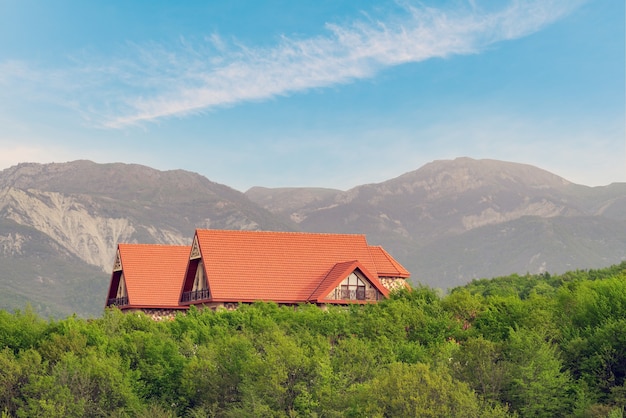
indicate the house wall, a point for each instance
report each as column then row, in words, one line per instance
column 170, row 314
column 158, row 314
column 230, row 306
column 393, row 283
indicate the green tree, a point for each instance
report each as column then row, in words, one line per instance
column 12, row 379
column 21, row 330
column 99, row 382
column 481, row 364
column 536, row 383
column 415, row 390
column 286, row 377
column 200, row 379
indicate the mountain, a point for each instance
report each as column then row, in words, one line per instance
column 451, row 221
column 36, row 270
column 61, row 224
column 448, row 222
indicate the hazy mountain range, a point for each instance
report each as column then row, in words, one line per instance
column 448, row 222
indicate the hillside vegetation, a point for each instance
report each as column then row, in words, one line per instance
column 534, row 345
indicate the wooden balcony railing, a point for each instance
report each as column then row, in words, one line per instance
column 353, row 293
column 118, row 301
column 195, row 295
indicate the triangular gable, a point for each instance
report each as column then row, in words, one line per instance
column 121, row 296
column 117, row 285
column 117, row 266
column 195, row 249
column 343, row 284
column 195, row 284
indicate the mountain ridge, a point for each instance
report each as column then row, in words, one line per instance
column 448, row 221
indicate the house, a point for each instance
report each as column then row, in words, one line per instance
column 148, row 278
column 223, row 268
column 229, row 267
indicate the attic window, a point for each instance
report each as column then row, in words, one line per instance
column 352, row 288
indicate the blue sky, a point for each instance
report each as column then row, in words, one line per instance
column 325, row 93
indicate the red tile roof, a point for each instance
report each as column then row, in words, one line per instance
column 153, row 274
column 386, row 265
column 285, row 267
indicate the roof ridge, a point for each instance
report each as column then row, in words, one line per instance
column 259, row 231
column 152, row 245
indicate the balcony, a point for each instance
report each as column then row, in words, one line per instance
column 118, row 301
column 195, row 295
column 352, row 292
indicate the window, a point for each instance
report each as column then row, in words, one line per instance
column 198, row 282
column 121, row 288
column 352, row 288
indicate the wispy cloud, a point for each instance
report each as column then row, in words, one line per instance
column 197, row 76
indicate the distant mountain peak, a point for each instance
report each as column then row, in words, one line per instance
column 500, row 170
column 446, row 177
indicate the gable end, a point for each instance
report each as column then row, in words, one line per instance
column 117, row 266
column 195, row 249
column 196, row 285
column 349, row 282
column 118, row 293
column 355, row 287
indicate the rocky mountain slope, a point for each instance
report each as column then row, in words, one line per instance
column 448, row 219
column 447, row 222
column 77, row 213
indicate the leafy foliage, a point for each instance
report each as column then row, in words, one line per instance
column 512, row 346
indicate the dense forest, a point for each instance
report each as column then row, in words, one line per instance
column 518, row 346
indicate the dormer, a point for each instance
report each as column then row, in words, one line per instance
column 195, row 285
column 349, row 282
column 118, row 293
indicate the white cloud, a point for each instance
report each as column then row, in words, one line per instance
column 198, row 78
column 156, row 81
